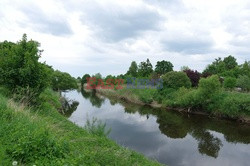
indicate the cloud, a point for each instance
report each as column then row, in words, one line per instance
column 188, row 46
column 105, row 36
column 115, row 23
column 40, row 21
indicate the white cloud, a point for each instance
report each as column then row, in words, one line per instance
column 105, row 36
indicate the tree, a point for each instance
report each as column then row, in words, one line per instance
column 176, row 80
column 230, row 82
column 84, row 79
column 218, row 66
column 230, row 62
column 20, row 66
column 163, row 67
column 133, row 69
column 145, row 69
column 245, row 68
column 62, row 81
column 194, row 77
column 244, row 82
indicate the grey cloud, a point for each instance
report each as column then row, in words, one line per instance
column 117, row 24
column 188, row 46
column 41, row 22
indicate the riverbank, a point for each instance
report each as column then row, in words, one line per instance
column 146, row 97
column 44, row 137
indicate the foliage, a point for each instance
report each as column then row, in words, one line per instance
column 230, row 83
column 145, row 68
column 97, row 127
column 133, row 69
column 244, row 82
column 163, row 67
column 84, row 79
column 220, row 66
column 62, row 81
column 176, row 80
column 230, row 62
column 20, row 66
column 194, row 77
column 45, row 137
column 209, row 86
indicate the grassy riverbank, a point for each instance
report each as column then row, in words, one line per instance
column 207, row 100
column 42, row 136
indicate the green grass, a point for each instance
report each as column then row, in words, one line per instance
column 45, row 137
column 218, row 103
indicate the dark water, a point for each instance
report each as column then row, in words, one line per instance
column 169, row 137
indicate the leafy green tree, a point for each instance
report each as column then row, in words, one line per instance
column 145, row 69
column 62, row 81
column 230, row 82
column 244, row 69
column 230, row 62
column 133, row 69
column 84, row 79
column 221, row 66
column 20, row 66
column 244, row 82
column 218, row 66
column 163, row 67
column 176, row 80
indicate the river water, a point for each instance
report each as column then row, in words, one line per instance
column 169, row 137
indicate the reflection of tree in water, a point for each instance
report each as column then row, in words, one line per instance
column 68, row 106
column 207, row 143
column 177, row 125
column 93, row 98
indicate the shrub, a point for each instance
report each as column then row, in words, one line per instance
column 236, row 104
column 20, row 66
column 244, row 82
column 96, row 127
column 194, row 77
column 230, row 82
column 176, row 80
column 209, row 86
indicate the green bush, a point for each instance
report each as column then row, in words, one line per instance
column 236, row 104
column 230, row 83
column 176, row 80
column 244, row 82
column 20, row 66
column 97, row 127
column 209, row 86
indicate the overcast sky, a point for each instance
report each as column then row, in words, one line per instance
column 104, row 36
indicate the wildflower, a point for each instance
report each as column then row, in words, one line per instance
column 14, row 163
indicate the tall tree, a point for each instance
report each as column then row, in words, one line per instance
column 145, row 68
column 163, row 67
column 230, row 62
column 133, row 69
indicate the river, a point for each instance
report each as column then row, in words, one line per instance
column 169, row 137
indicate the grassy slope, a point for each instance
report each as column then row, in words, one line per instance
column 230, row 104
column 47, row 138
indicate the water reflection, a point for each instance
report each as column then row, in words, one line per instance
column 93, row 98
column 170, row 137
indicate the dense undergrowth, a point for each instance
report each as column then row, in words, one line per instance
column 42, row 136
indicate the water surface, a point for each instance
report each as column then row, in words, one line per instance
column 169, row 137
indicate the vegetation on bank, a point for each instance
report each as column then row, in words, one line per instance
column 32, row 131
column 222, row 89
column 44, row 137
